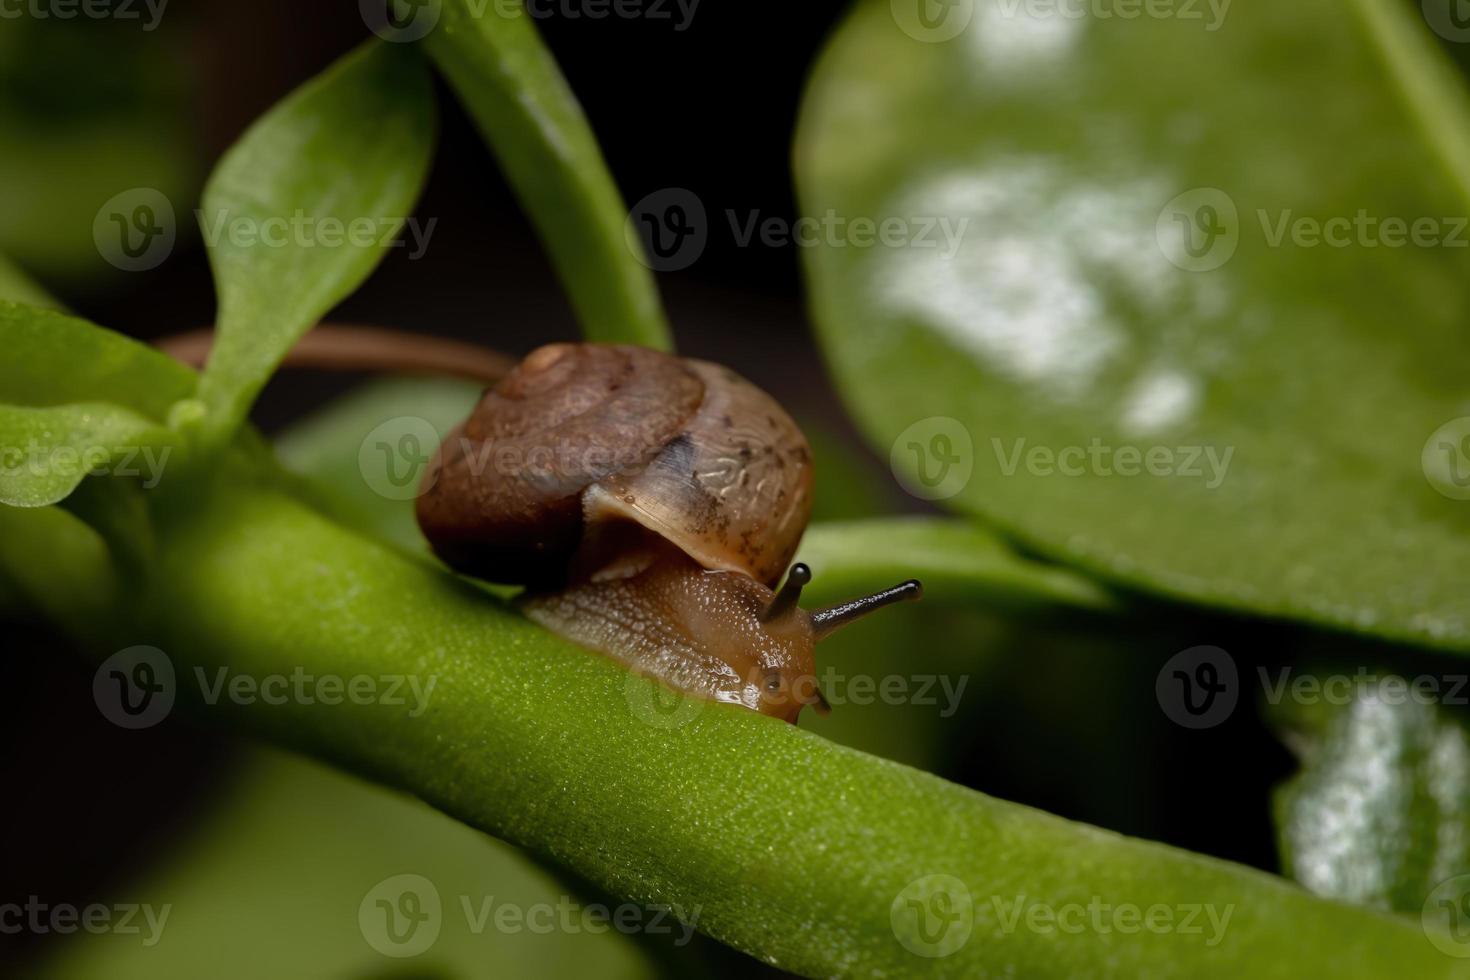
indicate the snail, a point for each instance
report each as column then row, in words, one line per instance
column 651, row 506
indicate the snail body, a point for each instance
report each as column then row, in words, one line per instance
column 650, row 504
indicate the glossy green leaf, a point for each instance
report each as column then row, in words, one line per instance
column 46, row 452
column 1380, row 813
column 52, row 359
column 304, row 206
column 1152, row 370
column 815, row 858
column 957, row 562
column 271, row 882
column 521, row 102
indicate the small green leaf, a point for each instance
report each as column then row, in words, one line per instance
column 512, row 86
column 1131, row 287
column 18, row 287
column 1380, row 812
column 46, row 452
column 52, row 359
column 345, row 449
column 303, row 207
column 281, row 819
column 957, row 561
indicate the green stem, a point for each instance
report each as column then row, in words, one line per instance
column 525, row 110
column 776, row 841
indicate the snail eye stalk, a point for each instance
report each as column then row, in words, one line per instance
column 825, row 621
column 786, row 599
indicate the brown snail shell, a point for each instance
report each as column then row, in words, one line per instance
column 580, row 437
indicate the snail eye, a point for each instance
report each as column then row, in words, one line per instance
column 773, row 682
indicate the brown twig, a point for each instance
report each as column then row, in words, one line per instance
column 350, row 347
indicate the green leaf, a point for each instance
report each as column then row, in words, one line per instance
column 18, row 287
column 521, row 102
column 1380, row 812
column 303, row 207
column 46, row 452
column 1316, row 375
column 802, row 853
column 52, row 359
column 338, row 449
column 60, row 567
column 957, row 562
column 334, row 839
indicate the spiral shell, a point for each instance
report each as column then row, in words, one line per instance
column 582, row 439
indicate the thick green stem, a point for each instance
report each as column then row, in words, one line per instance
column 776, row 841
